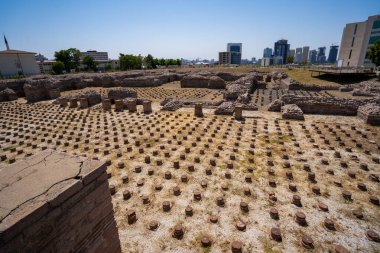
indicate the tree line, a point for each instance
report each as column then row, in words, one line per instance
column 69, row 59
column 129, row 61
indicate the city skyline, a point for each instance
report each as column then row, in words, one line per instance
column 173, row 29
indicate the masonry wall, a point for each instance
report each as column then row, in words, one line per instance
column 77, row 218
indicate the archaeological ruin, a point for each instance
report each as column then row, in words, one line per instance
column 188, row 161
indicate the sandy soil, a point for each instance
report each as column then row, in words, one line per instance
column 263, row 147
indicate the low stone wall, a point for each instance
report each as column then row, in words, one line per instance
column 54, row 202
column 292, row 84
column 202, row 81
column 370, row 113
column 326, row 105
column 39, row 87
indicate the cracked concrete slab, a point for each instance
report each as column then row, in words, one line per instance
column 33, row 176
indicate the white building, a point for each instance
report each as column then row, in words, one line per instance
column 14, row 62
column 46, row 67
column 266, row 61
column 97, row 56
column 356, row 40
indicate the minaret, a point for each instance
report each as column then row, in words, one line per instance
column 6, row 42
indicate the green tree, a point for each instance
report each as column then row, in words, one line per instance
column 89, row 62
column 129, row 61
column 290, row 59
column 70, row 58
column 108, row 67
column 162, row 62
column 149, row 62
column 58, row 67
column 179, row 62
column 374, row 53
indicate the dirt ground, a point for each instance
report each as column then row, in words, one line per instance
column 261, row 155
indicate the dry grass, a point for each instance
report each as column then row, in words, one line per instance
column 304, row 76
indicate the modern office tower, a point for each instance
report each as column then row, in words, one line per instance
column 281, row 48
column 236, row 50
column 312, row 57
column 292, row 53
column 224, row 58
column 267, row 52
column 333, row 53
column 321, row 55
column 298, row 55
column 356, row 40
column 305, row 54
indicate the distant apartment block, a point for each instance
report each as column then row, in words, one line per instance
column 98, row 56
column 333, row 53
column 292, row 53
column 224, row 58
column 321, row 55
column 267, row 52
column 266, row 61
column 312, row 57
column 236, row 50
column 298, row 55
column 356, row 40
column 305, row 54
column 281, row 48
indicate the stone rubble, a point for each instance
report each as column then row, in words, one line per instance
column 292, row 111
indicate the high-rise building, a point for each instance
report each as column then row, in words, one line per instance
column 333, row 53
column 236, row 50
column 98, row 56
column 305, row 54
column 312, row 56
column 321, row 55
column 267, row 52
column 356, row 40
column 292, row 53
column 298, row 56
column 224, row 58
column 281, row 48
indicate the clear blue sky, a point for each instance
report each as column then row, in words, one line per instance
column 176, row 28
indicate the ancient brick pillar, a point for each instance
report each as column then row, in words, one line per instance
column 147, row 106
column 239, row 112
column 63, row 102
column 106, row 104
column 119, row 105
column 198, row 110
column 73, row 103
column 131, row 104
column 83, row 103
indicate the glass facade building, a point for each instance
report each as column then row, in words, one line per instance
column 281, row 48
column 236, row 50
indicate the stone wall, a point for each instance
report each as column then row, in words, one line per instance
column 292, row 84
column 327, row 105
column 203, row 81
column 54, row 202
column 38, row 88
column 370, row 113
